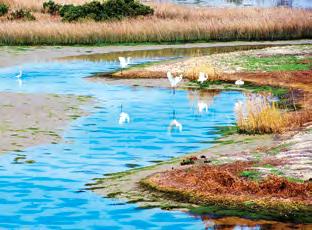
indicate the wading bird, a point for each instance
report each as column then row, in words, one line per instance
column 123, row 117
column 20, row 74
column 202, row 77
column 124, row 62
column 174, row 81
column 19, row 78
column 239, row 82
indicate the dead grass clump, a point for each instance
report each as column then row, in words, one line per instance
column 258, row 115
column 193, row 73
column 206, row 182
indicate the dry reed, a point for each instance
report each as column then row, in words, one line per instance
column 36, row 5
column 171, row 23
column 259, row 115
column 211, row 72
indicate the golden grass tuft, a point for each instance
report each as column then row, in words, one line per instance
column 170, row 23
column 258, row 115
column 193, row 72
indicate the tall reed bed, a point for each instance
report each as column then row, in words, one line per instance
column 36, row 5
column 170, row 23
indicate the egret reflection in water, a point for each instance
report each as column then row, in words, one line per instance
column 20, row 82
column 123, row 117
column 174, row 124
column 202, row 100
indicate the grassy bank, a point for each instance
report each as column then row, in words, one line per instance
column 170, row 23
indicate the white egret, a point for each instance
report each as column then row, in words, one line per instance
column 239, row 82
column 124, row 62
column 202, row 106
column 20, row 74
column 202, row 77
column 174, row 81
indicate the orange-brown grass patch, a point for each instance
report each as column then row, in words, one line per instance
column 223, row 185
column 290, row 79
column 134, row 74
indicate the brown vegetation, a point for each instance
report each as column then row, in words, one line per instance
column 224, row 185
column 170, row 23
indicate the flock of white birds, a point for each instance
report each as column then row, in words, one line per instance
column 174, row 82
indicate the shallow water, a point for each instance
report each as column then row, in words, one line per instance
column 50, row 193
column 247, row 3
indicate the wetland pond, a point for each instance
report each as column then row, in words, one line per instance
column 50, row 193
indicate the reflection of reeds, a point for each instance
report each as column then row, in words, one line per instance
column 206, row 97
column 259, row 115
column 170, row 23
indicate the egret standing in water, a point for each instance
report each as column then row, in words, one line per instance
column 174, row 81
column 239, row 82
column 202, row 77
column 123, row 117
column 124, row 62
column 20, row 74
column 19, row 78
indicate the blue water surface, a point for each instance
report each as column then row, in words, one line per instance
column 50, row 193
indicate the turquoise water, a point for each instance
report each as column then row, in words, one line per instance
column 50, row 193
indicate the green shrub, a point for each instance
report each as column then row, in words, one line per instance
column 99, row 11
column 21, row 14
column 3, row 9
column 51, row 7
column 72, row 13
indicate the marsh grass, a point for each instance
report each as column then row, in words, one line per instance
column 170, row 23
column 257, row 115
column 193, row 73
column 275, row 63
column 36, row 5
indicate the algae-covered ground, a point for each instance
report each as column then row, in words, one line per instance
column 32, row 119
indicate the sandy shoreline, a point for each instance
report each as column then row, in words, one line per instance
column 33, row 119
column 15, row 55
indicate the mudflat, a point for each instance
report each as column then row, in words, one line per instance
column 33, row 119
